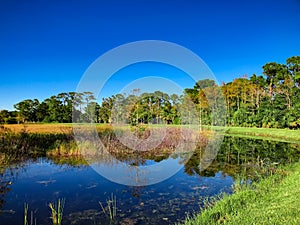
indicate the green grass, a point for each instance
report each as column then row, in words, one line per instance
column 269, row 133
column 56, row 213
column 274, row 200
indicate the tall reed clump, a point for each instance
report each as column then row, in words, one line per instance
column 57, row 211
column 111, row 209
column 64, row 148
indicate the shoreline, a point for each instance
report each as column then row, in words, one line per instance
column 272, row 200
column 285, row 135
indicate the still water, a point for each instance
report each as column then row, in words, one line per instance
column 40, row 181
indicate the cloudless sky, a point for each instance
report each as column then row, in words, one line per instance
column 46, row 46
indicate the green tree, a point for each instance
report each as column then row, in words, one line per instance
column 4, row 116
column 293, row 64
column 92, row 112
column 27, row 110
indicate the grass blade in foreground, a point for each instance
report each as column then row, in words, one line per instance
column 57, row 211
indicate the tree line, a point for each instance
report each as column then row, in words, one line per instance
column 58, row 108
column 271, row 99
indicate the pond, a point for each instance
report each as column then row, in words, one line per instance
column 41, row 180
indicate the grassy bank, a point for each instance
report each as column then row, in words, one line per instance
column 270, row 133
column 273, row 200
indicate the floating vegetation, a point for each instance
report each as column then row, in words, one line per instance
column 90, row 216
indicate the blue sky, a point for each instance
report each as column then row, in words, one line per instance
column 46, row 46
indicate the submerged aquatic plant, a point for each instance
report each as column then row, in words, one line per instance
column 57, row 211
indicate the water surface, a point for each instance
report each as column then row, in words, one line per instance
column 42, row 180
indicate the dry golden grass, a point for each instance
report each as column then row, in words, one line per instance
column 67, row 128
column 40, row 128
column 53, row 127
